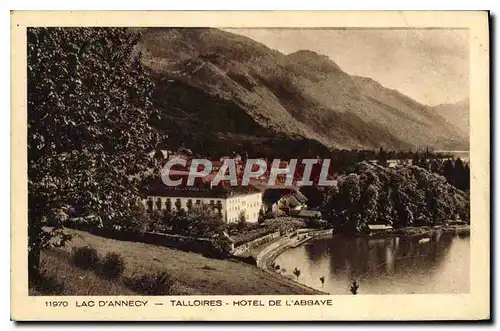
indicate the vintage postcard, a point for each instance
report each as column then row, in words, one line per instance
column 252, row 166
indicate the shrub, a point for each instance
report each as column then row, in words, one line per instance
column 45, row 284
column 317, row 223
column 296, row 272
column 262, row 217
column 112, row 266
column 137, row 220
column 247, row 259
column 242, row 220
column 85, row 257
column 159, row 283
column 221, row 248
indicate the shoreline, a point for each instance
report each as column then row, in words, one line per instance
column 269, row 253
column 420, row 232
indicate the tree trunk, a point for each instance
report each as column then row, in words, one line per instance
column 34, row 243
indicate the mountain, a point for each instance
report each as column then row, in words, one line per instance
column 456, row 114
column 222, row 91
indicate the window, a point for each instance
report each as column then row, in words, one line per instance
column 178, row 204
column 198, row 202
column 158, row 204
column 168, row 205
column 150, row 204
column 189, row 204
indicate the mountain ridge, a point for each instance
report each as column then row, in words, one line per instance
column 457, row 114
column 264, row 93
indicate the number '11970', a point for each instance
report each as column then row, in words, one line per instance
column 56, row 304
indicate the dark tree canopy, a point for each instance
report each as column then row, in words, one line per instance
column 88, row 113
column 401, row 196
column 455, row 171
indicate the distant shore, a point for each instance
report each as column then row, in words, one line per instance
column 422, row 231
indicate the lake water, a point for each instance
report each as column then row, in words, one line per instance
column 464, row 155
column 398, row 265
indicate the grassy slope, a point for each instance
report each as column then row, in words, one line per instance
column 57, row 263
column 195, row 273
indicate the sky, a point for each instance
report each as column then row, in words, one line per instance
column 429, row 65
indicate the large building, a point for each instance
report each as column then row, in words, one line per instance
column 230, row 202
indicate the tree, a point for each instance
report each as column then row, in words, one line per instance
column 296, row 272
column 401, row 196
column 179, row 222
column 449, row 171
column 343, row 204
column 315, row 195
column 205, row 222
column 262, row 217
column 382, row 157
column 222, row 246
column 89, row 103
column 242, row 220
column 354, row 287
column 136, row 220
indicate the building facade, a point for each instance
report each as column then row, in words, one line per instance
column 285, row 200
column 230, row 203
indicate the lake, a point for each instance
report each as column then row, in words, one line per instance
column 396, row 265
column 464, row 155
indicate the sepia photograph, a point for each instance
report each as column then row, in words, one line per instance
column 188, row 161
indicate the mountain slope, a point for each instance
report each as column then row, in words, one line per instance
column 220, row 88
column 456, row 114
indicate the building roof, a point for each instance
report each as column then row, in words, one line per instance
column 301, row 197
column 379, row 227
column 291, row 200
column 291, row 196
column 159, row 189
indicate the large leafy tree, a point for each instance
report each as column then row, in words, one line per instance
column 402, row 196
column 89, row 104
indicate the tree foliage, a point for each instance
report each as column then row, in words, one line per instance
column 296, row 272
column 401, row 196
column 455, row 171
column 201, row 221
column 88, row 133
column 315, row 195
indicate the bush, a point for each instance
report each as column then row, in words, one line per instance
column 85, row 257
column 317, row 223
column 242, row 221
column 159, row 283
column 112, row 266
column 247, row 259
column 45, row 284
column 221, row 247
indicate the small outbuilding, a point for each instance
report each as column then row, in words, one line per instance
column 379, row 227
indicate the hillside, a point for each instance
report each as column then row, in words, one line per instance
column 195, row 274
column 224, row 91
column 456, row 114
